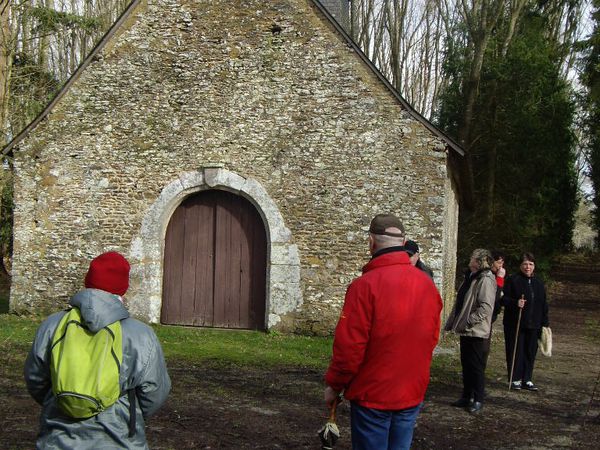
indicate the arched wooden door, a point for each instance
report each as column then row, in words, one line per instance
column 215, row 263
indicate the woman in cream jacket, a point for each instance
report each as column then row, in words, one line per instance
column 471, row 319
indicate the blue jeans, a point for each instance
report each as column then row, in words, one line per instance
column 374, row 429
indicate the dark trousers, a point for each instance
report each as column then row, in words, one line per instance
column 473, row 352
column 527, row 346
column 487, row 343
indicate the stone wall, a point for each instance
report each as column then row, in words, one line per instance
column 266, row 91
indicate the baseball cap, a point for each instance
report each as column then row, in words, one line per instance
column 382, row 222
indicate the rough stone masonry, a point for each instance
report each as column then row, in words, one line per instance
column 263, row 99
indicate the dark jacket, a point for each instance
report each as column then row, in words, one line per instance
column 535, row 312
column 499, row 294
column 425, row 268
column 143, row 369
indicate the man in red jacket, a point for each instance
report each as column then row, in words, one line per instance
column 384, row 341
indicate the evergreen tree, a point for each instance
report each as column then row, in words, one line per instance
column 591, row 79
column 522, row 144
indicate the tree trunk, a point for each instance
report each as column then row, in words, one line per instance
column 6, row 56
column 481, row 19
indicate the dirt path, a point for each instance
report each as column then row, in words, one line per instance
column 216, row 407
column 561, row 414
column 273, row 410
column 282, row 409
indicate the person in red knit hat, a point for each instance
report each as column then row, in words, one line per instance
column 142, row 373
column 109, row 272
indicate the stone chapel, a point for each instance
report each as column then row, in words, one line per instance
column 234, row 152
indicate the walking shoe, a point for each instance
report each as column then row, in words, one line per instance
column 516, row 385
column 475, row 408
column 462, row 402
column 530, row 386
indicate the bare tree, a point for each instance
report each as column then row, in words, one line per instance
column 404, row 40
column 42, row 42
column 6, row 52
column 47, row 40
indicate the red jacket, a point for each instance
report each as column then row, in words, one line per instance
column 386, row 334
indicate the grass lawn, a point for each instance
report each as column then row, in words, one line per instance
column 242, row 348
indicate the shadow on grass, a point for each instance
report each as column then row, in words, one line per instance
column 3, row 303
column 4, row 292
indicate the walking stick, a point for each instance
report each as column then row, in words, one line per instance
column 512, row 366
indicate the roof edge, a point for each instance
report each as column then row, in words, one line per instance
column 65, row 87
column 409, row 108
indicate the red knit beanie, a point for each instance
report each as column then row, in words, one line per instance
column 109, row 272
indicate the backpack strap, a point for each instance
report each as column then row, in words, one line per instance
column 131, row 396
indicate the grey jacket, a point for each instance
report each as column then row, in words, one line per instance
column 475, row 317
column 143, row 369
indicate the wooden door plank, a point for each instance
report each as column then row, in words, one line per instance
column 189, row 260
column 204, row 292
column 166, row 315
column 222, row 272
column 235, row 298
column 258, row 270
column 245, row 245
column 173, row 262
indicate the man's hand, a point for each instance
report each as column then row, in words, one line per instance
column 330, row 395
column 501, row 272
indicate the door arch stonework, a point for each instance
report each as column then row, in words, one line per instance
column 283, row 293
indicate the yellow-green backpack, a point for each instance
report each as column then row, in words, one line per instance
column 85, row 366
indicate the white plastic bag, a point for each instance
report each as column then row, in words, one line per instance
column 545, row 341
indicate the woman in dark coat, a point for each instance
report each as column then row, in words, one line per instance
column 526, row 293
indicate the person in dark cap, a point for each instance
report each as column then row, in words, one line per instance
column 412, row 248
column 142, row 372
column 384, row 342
